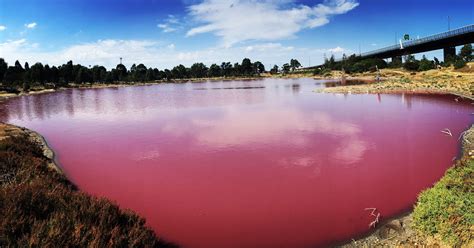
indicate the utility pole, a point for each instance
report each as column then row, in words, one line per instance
column 120, row 60
column 359, row 50
column 449, row 23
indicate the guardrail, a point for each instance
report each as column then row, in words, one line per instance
column 443, row 35
column 439, row 36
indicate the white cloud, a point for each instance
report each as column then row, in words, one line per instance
column 170, row 24
column 154, row 53
column 265, row 20
column 337, row 49
column 31, row 25
column 267, row 47
column 166, row 28
column 2, row 27
column 351, row 145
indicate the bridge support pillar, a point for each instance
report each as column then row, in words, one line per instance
column 449, row 53
column 397, row 60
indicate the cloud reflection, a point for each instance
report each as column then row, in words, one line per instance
column 288, row 127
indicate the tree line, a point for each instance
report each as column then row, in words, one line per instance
column 25, row 76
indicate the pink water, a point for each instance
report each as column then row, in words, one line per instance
column 248, row 163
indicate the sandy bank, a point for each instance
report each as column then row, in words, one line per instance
column 446, row 80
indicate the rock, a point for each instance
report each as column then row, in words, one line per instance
column 390, row 229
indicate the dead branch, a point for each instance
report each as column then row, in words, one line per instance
column 447, row 132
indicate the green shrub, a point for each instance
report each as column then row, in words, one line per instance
column 459, row 63
column 426, row 64
column 447, row 208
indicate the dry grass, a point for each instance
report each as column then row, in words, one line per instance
column 445, row 80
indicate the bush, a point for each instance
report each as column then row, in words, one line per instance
column 446, row 209
column 412, row 65
column 425, row 65
column 40, row 208
column 459, row 63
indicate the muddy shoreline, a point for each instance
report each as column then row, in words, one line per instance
column 7, row 130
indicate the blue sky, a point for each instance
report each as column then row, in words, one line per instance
column 164, row 33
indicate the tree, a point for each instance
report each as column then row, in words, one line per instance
column 54, row 75
column 99, row 74
column 330, row 63
column 246, row 67
column 167, row 74
column 158, row 74
column 274, row 70
column 426, row 64
column 214, row 71
column 68, row 72
column 47, row 74
column 226, row 68
column 3, row 68
column 286, row 68
column 14, row 75
column 36, row 73
column 259, row 67
column 198, row 70
column 411, row 64
column 179, row 71
column 466, row 53
column 294, row 64
column 459, row 63
column 83, row 75
column 237, row 70
column 121, row 72
column 150, row 75
column 138, row 73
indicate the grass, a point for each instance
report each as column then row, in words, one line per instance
column 41, row 208
column 445, row 211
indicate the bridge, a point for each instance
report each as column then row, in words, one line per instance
column 446, row 41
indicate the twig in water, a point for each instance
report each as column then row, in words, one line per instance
column 447, row 132
column 373, row 223
column 377, row 216
column 372, row 211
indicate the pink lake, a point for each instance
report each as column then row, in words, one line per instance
column 265, row 163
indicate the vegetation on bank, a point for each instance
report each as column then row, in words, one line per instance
column 356, row 64
column 40, row 208
column 437, row 81
column 446, row 210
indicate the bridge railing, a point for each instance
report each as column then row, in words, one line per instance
column 444, row 35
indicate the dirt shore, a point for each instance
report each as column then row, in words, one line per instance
column 439, row 81
column 8, row 130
